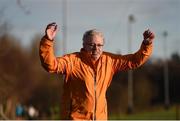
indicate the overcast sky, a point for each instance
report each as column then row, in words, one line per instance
column 29, row 17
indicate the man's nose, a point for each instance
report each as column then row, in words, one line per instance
column 95, row 47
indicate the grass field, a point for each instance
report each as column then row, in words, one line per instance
column 159, row 114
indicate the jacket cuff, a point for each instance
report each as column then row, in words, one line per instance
column 47, row 41
column 147, row 42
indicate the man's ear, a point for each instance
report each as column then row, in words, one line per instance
column 83, row 45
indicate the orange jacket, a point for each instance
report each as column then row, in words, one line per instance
column 85, row 83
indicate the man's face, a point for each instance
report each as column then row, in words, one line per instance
column 94, row 45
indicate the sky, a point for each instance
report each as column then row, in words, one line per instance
column 30, row 17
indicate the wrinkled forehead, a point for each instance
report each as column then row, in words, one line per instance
column 95, row 39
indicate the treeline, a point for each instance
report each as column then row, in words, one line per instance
column 23, row 80
column 148, row 86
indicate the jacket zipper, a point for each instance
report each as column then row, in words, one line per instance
column 95, row 98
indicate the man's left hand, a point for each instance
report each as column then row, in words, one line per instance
column 148, row 36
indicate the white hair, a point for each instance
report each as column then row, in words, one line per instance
column 91, row 33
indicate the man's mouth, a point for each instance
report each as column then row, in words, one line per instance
column 94, row 53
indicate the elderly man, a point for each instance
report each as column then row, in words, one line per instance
column 88, row 73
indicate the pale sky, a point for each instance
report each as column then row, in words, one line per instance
column 29, row 17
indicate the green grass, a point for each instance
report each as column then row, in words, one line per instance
column 160, row 114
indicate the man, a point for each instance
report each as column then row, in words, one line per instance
column 88, row 73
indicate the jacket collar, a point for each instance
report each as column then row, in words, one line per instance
column 86, row 58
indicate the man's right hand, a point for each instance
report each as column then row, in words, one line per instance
column 51, row 31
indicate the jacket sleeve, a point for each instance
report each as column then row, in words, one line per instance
column 132, row 61
column 51, row 63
